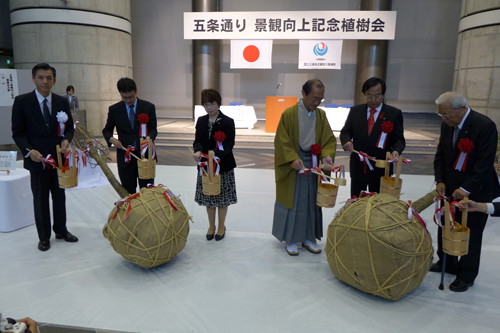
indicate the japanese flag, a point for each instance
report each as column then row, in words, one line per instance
column 247, row 53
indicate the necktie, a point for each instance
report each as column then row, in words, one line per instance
column 46, row 113
column 455, row 135
column 371, row 120
column 131, row 116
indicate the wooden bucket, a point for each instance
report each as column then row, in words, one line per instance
column 392, row 185
column 456, row 240
column 211, row 185
column 327, row 194
column 388, row 185
column 147, row 166
column 68, row 178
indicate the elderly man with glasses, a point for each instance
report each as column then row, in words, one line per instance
column 463, row 167
column 373, row 128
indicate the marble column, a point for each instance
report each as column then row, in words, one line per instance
column 477, row 64
column 206, row 56
column 89, row 43
column 371, row 59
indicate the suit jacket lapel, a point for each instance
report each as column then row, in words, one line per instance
column 363, row 120
column 124, row 116
column 448, row 141
column 37, row 111
column 56, row 107
column 462, row 134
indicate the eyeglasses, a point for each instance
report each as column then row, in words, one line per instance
column 376, row 96
column 210, row 105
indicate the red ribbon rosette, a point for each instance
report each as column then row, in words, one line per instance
column 220, row 137
column 143, row 120
column 315, row 151
column 387, row 128
column 465, row 146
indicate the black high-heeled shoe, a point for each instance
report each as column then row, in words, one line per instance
column 219, row 237
column 210, row 236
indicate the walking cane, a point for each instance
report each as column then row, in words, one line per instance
column 441, row 285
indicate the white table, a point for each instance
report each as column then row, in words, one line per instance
column 16, row 200
column 243, row 115
column 336, row 117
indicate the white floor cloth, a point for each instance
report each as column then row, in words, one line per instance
column 244, row 283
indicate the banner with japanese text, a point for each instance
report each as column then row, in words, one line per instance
column 249, row 53
column 322, row 54
column 8, row 86
column 290, row 25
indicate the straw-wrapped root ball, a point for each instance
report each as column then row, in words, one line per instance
column 154, row 231
column 374, row 247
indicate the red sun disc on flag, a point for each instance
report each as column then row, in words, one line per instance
column 251, row 53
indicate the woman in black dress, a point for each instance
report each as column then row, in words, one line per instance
column 209, row 127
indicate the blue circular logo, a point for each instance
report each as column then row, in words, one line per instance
column 320, row 49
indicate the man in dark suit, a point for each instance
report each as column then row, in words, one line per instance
column 490, row 208
column 124, row 116
column 373, row 128
column 35, row 126
column 463, row 167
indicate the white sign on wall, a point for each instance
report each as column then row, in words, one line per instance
column 290, row 25
column 320, row 54
column 8, row 86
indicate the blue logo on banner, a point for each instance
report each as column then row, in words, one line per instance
column 320, row 49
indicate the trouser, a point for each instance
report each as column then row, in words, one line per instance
column 357, row 186
column 43, row 183
column 130, row 175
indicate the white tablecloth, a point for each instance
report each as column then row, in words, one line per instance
column 336, row 117
column 90, row 176
column 16, row 200
column 243, row 115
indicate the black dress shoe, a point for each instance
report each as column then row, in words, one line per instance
column 43, row 246
column 69, row 237
column 210, row 236
column 436, row 268
column 219, row 237
column 459, row 285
